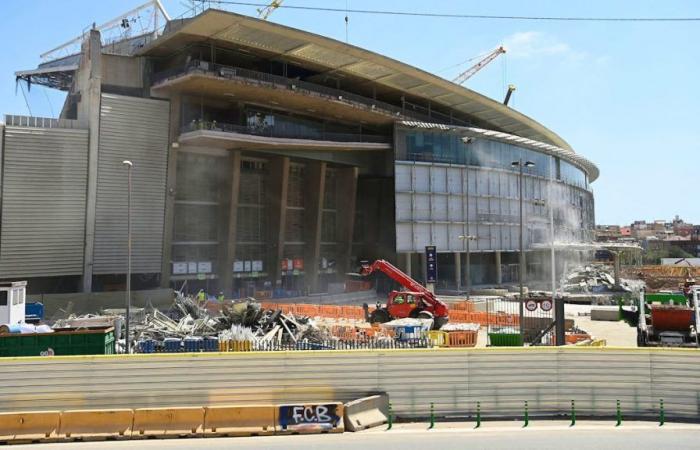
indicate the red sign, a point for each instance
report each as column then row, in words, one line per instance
column 298, row 264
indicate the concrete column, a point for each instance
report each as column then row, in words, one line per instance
column 171, row 187
column 345, row 216
column 229, row 223
column 408, row 264
column 315, row 187
column 458, row 270
column 278, row 181
column 499, row 273
column 89, row 112
column 616, row 267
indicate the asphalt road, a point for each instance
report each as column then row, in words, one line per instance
column 492, row 436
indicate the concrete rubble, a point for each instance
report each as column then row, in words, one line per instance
column 592, row 279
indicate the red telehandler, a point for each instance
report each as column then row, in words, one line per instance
column 416, row 301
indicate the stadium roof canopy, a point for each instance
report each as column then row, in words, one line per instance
column 336, row 58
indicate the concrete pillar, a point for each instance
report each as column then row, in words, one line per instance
column 277, row 202
column 89, row 112
column 315, row 181
column 229, row 222
column 499, row 272
column 409, row 269
column 458, row 270
column 345, row 216
column 171, row 187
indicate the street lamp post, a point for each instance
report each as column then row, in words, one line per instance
column 466, row 238
column 129, row 165
column 521, row 273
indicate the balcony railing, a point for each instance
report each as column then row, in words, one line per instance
column 272, row 131
column 41, row 122
column 232, row 73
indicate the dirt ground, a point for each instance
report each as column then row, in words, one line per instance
column 616, row 334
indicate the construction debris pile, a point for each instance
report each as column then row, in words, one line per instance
column 246, row 325
column 592, row 279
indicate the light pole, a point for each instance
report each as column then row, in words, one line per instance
column 521, row 273
column 129, row 165
column 467, row 238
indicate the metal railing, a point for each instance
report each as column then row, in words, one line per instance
column 233, row 73
column 272, row 131
column 41, row 122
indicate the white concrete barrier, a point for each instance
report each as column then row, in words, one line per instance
column 366, row 412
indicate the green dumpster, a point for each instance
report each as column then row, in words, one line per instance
column 66, row 341
column 505, row 340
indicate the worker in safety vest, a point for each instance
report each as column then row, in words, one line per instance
column 201, row 296
column 220, row 297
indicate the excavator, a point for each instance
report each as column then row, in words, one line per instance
column 415, row 302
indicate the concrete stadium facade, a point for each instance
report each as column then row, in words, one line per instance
column 271, row 160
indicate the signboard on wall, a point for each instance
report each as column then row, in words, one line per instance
column 204, row 267
column 179, row 268
column 257, row 266
column 191, row 267
column 431, row 264
column 238, row 266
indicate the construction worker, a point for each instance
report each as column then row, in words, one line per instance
column 220, row 297
column 201, row 297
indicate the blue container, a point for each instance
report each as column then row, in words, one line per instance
column 193, row 344
column 147, row 346
column 211, row 344
column 172, row 345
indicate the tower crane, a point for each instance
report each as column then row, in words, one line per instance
column 467, row 74
column 264, row 13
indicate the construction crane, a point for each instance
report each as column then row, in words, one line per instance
column 467, row 74
column 264, row 13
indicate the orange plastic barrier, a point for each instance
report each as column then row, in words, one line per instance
column 464, row 305
column 574, row 338
column 461, row 338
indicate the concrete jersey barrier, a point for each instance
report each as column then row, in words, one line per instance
column 366, row 412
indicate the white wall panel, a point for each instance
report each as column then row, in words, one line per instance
column 455, row 207
column 493, row 199
column 403, row 178
column 548, row 378
column 438, row 179
column 440, row 236
column 421, row 236
column 454, row 180
column 421, row 207
column 421, row 178
column 404, row 207
column 439, row 207
column 404, row 237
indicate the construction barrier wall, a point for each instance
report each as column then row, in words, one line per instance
column 453, row 379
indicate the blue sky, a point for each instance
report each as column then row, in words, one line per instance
column 624, row 95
